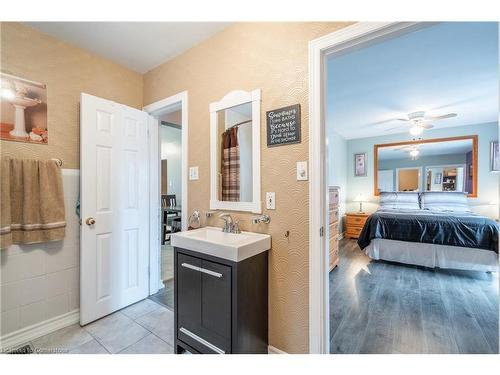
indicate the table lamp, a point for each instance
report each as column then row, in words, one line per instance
column 360, row 198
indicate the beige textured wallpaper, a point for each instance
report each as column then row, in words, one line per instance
column 274, row 58
column 67, row 71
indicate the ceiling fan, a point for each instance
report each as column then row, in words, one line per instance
column 419, row 122
column 411, row 149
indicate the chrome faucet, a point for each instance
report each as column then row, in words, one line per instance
column 228, row 222
column 230, row 225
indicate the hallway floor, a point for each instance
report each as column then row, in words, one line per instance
column 165, row 296
column 143, row 328
column 167, row 262
column 383, row 307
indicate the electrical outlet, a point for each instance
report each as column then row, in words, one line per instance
column 302, row 171
column 271, row 200
column 193, row 173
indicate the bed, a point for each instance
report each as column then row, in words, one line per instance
column 435, row 230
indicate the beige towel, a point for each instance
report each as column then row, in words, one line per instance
column 31, row 202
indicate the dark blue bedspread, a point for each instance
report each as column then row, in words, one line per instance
column 441, row 228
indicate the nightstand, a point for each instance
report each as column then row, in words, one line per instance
column 354, row 224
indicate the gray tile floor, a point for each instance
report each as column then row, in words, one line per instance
column 143, row 328
column 384, row 307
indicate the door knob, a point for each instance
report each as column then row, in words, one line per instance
column 90, row 221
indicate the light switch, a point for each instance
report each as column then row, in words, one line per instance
column 302, row 171
column 193, row 173
column 271, row 200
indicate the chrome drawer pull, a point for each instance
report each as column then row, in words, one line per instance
column 199, row 339
column 200, row 269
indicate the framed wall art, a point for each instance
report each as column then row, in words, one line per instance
column 360, row 165
column 24, row 110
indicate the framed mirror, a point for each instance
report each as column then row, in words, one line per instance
column 235, row 152
column 441, row 164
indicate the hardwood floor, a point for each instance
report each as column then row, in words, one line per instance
column 383, row 307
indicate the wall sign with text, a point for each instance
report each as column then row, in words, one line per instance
column 283, row 126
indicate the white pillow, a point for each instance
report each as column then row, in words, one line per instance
column 450, row 201
column 399, row 201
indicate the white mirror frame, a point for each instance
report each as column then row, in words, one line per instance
column 233, row 99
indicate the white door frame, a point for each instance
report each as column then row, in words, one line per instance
column 353, row 36
column 156, row 109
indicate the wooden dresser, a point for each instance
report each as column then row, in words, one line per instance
column 334, row 225
column 354, row 223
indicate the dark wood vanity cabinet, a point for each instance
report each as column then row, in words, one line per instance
column 220, row 306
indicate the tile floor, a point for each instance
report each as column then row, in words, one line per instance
column 143, row 328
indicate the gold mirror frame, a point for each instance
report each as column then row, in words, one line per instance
column 474, row 139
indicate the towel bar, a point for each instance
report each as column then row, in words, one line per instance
column 58, row 161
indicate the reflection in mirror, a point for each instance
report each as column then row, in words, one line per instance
column 432, row 165
column 234, row 165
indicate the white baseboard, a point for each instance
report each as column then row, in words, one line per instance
column 24, row 335
column 272, row 350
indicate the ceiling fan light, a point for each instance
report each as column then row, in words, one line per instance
column 416, row 130
column 414, row 153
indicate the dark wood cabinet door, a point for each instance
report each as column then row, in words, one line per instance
column 216, row 304
column 188, row 292
column 204, row 304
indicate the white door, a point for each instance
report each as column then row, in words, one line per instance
column 385, row 180
column 114, row 185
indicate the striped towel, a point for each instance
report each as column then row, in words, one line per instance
column 31, row 202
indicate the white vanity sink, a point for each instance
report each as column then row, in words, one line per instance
column 212, row 241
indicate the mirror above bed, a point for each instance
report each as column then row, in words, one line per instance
column 440, row 164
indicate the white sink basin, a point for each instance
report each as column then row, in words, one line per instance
column 212, row 241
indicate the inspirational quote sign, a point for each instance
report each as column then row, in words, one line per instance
column 283, row 126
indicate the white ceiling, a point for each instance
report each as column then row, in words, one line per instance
column 427, row 149
column 443, row 68
column 139, row 46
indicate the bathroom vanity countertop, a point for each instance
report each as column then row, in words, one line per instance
column 230, row 246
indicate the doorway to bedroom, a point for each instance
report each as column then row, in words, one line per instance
column 412, row 237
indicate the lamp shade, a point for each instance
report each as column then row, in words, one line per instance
column 359, row 198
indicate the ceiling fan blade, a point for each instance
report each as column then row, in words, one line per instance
column 395, row 127
column 402, row 119
column 441, row 117
column 427, row 126
column 382, row 122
